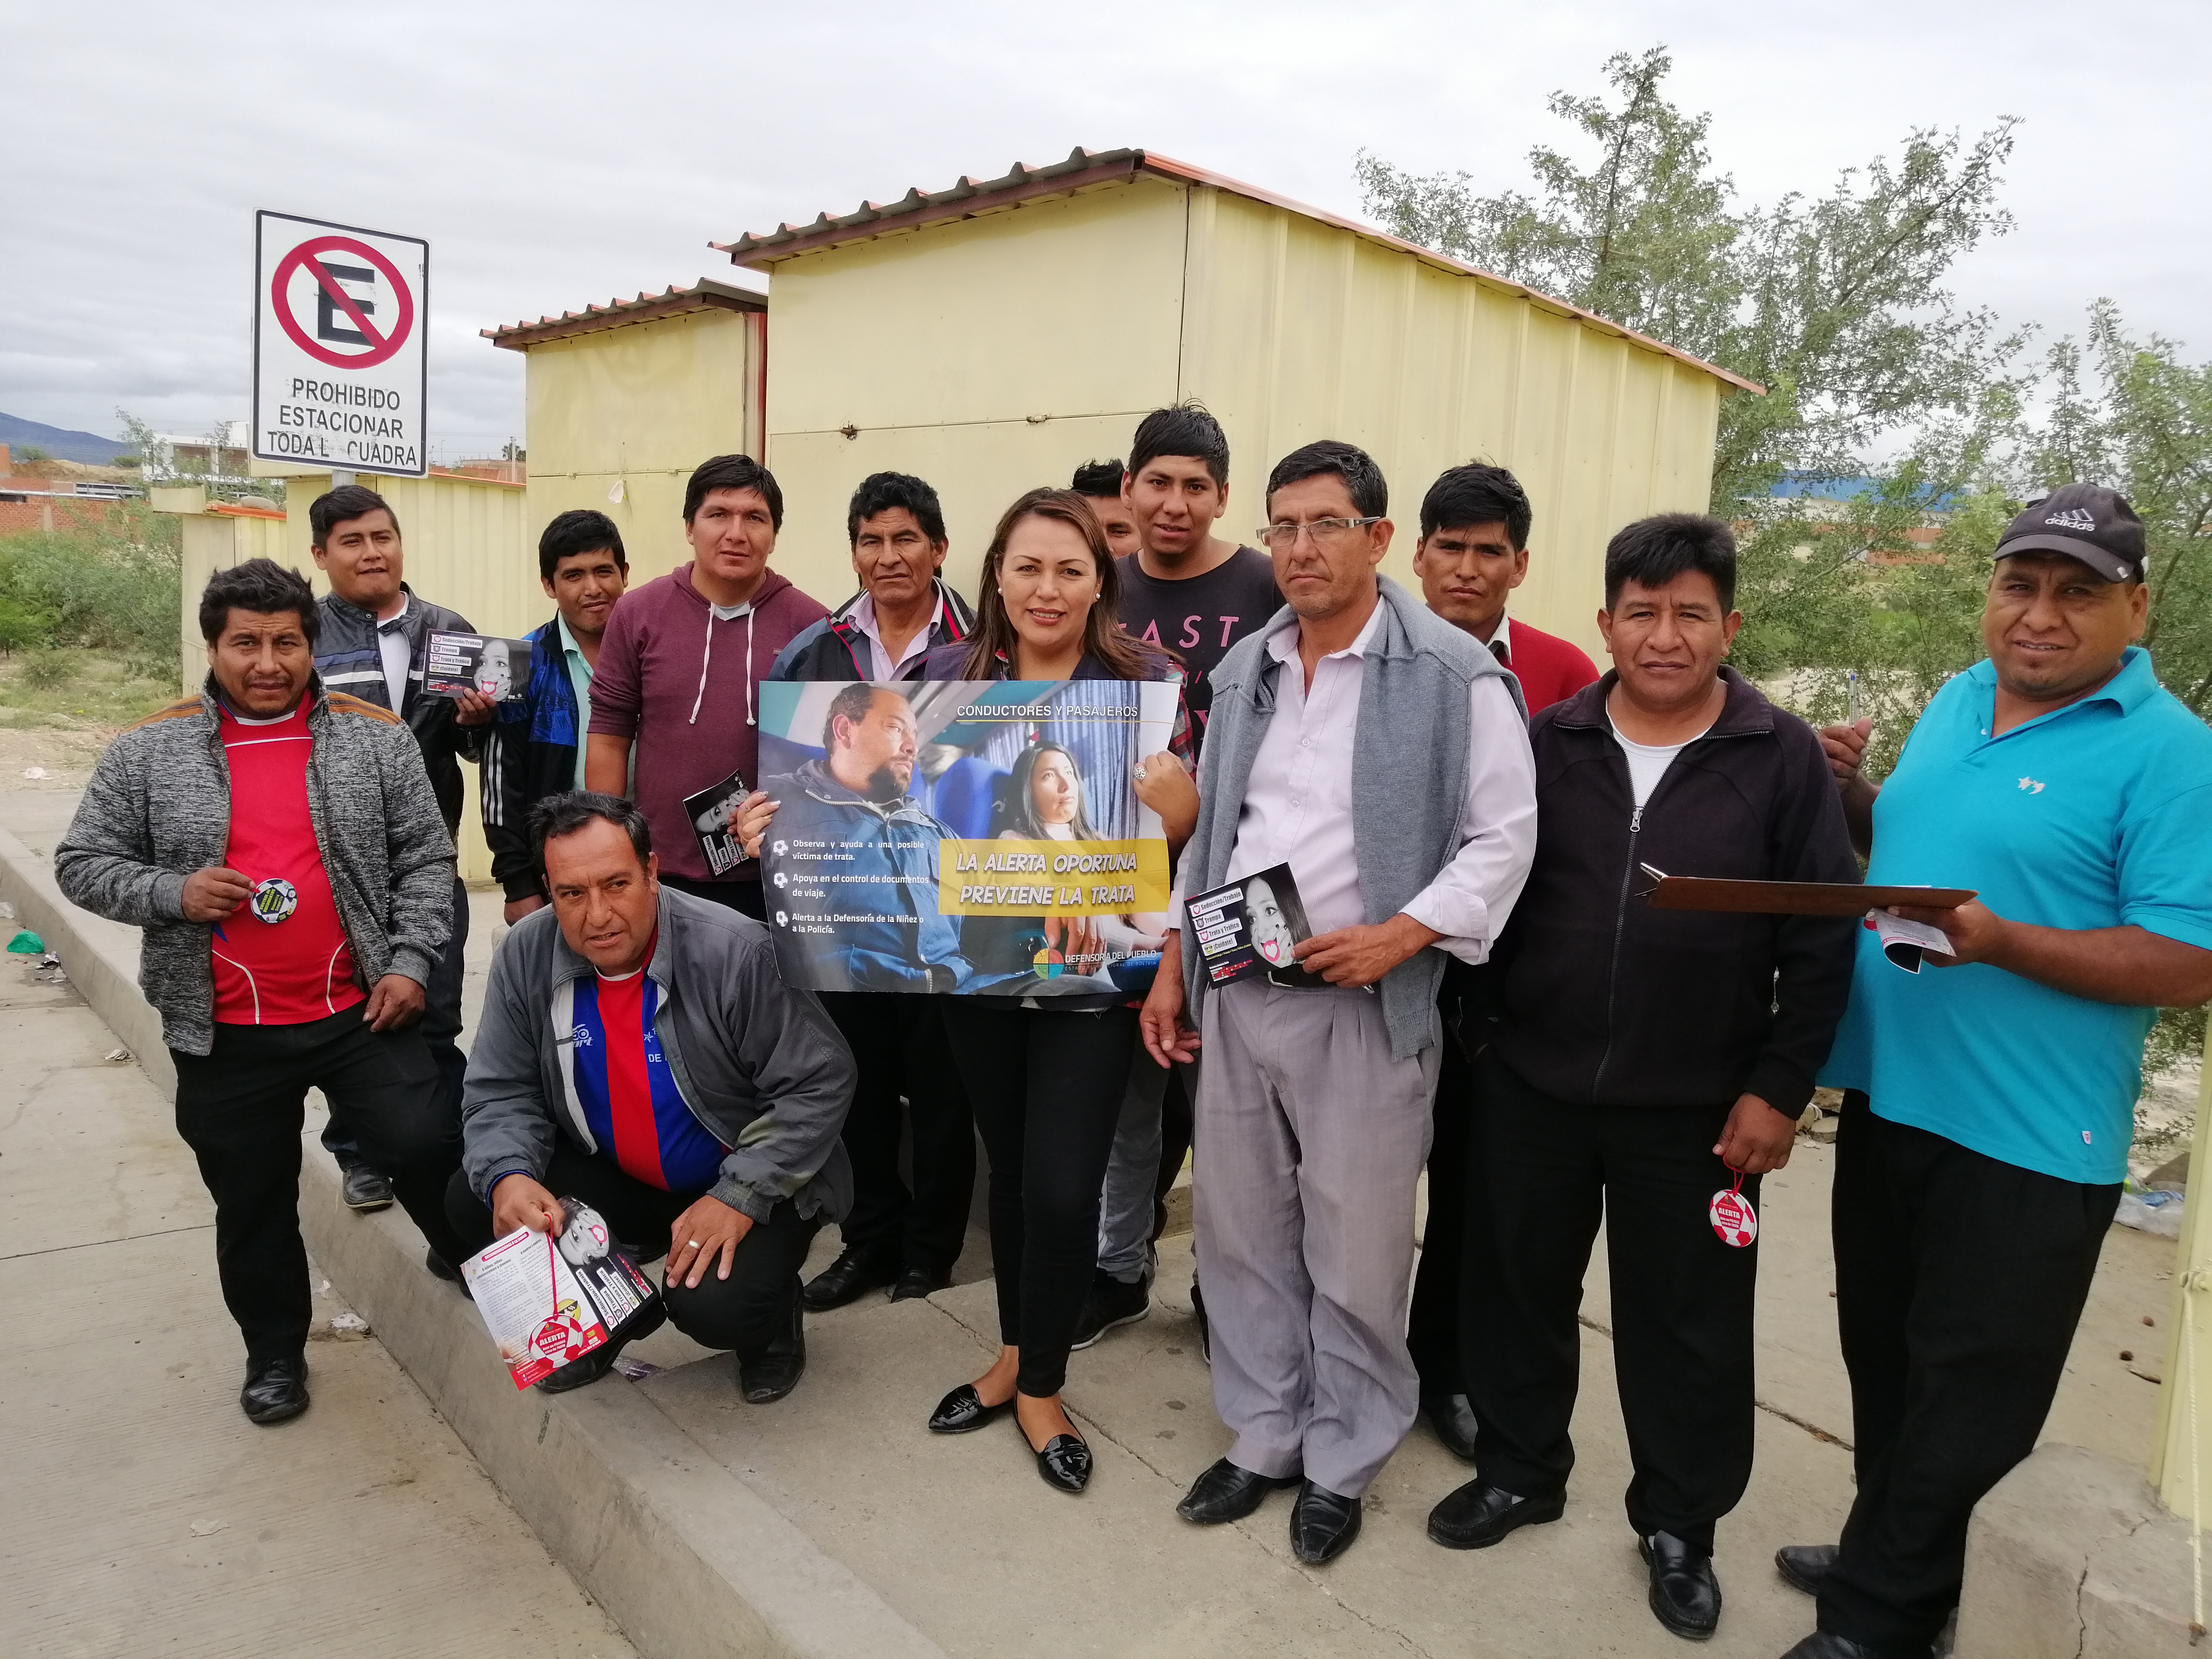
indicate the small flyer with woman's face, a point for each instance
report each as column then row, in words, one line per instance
column 965, row 836
column 1253, row 926
column 455, row 663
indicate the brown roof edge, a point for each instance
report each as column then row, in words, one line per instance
column 705, row 294
column 1084, row 168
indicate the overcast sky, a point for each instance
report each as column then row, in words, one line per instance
column 558, row 152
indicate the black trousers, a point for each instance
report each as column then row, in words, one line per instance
column 1047, row 1090
column 1958, row 1282
column 900, row 1048
column 241, row 1108
column 743, row 896
column 1432, row 1324
column 743, row 1313
column 441, row 1026
column 1541, row 1173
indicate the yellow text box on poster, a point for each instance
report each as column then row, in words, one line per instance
column 1051, row 877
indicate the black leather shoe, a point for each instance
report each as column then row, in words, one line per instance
column 1453, row 1419
column 1322, row 1524
column 1479, row 1515
column 914, row 1284
column 580, row 1373
column 1686, row 1597
column 1065, row 1462
column 365, row 1190
column 854, row 1272
column 1826, row 1644
column 276, row 1390
column 775, row 1374
column 1227, row 1493
column 439, row 1267
column 963, row 1411
column 1109, row 1302
column 1805, row 1567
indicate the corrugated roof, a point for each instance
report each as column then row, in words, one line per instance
column 1086, row 169
column 702, row 295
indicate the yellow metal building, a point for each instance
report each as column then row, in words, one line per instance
column 996, row 335
column 993, row 335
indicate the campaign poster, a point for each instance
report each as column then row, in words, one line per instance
column 455, row 663
column 965, row 837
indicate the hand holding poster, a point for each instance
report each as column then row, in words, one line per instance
column 455, row 663
column 962, row 837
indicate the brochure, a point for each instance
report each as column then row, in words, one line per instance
column 548, row 1301
column 1251, row 927
column 712, row 810
column 455, row 663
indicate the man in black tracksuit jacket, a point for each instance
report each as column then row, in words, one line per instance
column 1636, row 1056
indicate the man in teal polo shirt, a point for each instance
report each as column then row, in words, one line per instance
column 1990, row 1100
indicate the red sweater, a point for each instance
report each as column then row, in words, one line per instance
column 1549, row 669
column 691, row 712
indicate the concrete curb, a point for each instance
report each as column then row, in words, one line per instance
column 100, row 956
column 686, row 1558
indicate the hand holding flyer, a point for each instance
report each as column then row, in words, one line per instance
column 455, row 663
column 548, row 1301
column 1253, row 926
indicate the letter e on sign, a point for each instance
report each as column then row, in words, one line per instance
column 340, row 373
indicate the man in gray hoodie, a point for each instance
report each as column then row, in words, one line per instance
column 639, row 1051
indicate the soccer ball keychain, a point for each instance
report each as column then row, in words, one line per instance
column 1732, row 1216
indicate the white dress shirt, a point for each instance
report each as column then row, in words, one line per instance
column 881, row 667
column 1298, row 802
column 396, row 655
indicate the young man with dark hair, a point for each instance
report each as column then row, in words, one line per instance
column 1647, row 1068
column 905, row 1238
column 697, row 1101
column 1186, row 588
column 1989, row 1101
column 536, row 744
column 279, row 844
column 674, row 697
column 1382, row 755
column 1099, row 483
column 372, row 648
column 905, row 609
column 1473, row 552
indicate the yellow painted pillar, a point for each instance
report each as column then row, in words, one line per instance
column 2181, row 1453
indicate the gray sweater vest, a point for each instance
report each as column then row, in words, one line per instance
column 1408, row 781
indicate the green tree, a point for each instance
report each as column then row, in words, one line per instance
column 1835, row 302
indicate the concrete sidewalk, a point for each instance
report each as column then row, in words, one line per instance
column 832, row 1523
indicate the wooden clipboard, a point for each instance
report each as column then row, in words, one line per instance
column 1792, row 899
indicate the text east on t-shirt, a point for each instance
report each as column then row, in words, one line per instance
column 1200, row 618
column 281, row 958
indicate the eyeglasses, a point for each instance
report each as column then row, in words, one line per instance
column 1326, row 532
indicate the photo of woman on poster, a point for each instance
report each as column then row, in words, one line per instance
column 1045, row 802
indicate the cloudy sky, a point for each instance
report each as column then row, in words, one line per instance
column 558, row 152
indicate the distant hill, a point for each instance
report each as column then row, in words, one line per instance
column 60, row 442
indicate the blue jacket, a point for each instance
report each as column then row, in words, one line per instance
column 530, row 752
column 911, row 944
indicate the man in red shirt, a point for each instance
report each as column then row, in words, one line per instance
column 1474, row 552
column 283, row 849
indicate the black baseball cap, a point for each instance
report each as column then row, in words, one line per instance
column 2084, row 522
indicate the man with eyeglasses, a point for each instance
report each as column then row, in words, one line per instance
column 1384, row 756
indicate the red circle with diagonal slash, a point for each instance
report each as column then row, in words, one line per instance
column 385, row 345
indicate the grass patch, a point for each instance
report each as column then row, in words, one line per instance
column 81, row 689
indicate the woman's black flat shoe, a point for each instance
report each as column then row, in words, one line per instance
column 1065, row 1462
column 963, row 1411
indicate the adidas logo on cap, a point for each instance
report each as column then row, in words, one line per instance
column 2074, row 519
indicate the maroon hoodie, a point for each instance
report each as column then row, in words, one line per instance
column 684, row 687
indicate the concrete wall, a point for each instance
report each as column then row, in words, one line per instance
column 631, row 410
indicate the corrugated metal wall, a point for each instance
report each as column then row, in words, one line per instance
column 639, row 407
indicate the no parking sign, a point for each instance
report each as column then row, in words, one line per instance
column 339, row 372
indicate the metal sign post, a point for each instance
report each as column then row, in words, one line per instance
column 339, row 371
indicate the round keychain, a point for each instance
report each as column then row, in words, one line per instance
column 1732, row 1216
column 275, row 900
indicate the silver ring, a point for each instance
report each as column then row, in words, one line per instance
column 691, row 1243
column 1140, row 775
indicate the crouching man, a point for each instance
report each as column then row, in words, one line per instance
column 638, row 1051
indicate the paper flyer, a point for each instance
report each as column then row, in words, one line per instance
column 537, row 1312
column 712, row 810
column 966, row 837
column 1903, row 942
column 455, row 663
column 1250, row 926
